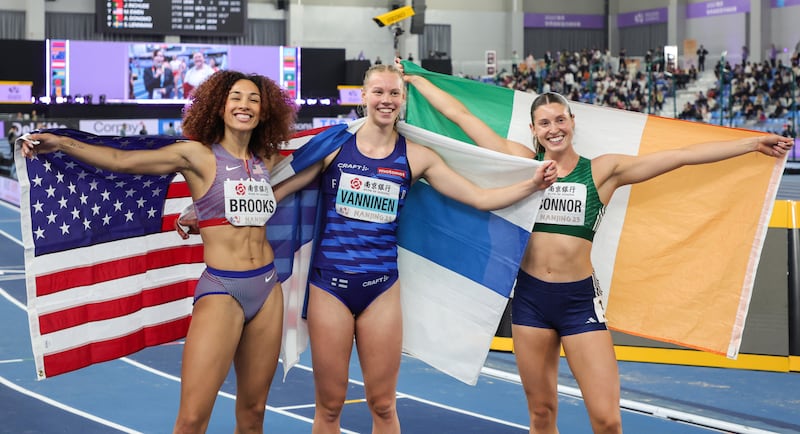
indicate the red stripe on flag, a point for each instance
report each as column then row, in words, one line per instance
column 118, row 307
column 96, row 352
column 168, row 222
column 103, row 272
column 178, row 189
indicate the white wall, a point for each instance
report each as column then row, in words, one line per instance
column 785, row 32
column 472, row 34
column 716, row 35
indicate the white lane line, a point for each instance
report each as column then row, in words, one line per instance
column 65, row 407
column 171, row 377
column 11, row 237
column 640, row 407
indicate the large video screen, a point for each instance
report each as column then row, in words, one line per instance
column 156, row 72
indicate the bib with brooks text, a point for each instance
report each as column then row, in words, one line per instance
column 248, row 202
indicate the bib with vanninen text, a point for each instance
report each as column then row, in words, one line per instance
column 564, row 203
column 368, row 199
column 248, row 202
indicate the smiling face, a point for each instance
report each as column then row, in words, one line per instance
column 243, row 106
column 553, row 123
column 383, row 94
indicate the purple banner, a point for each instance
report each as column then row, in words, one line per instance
column 565, row 21
column 717, row 7
column 642, row 18
column 784, row 3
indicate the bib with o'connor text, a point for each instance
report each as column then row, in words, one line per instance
column 368, row 199
column 564, row 203
column 248, row 202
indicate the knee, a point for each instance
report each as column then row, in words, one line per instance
column 185, row 424
column 329, row 410
column 607, row 423
column 250, row 418
column 383, row 408
column 543, row 416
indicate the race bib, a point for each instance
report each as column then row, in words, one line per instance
column 368, row 199
column 564, row 203
column 599, row 310
column 248, row 202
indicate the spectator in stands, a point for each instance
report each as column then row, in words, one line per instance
column 701, row 58
column 12, row 135
column 773, row 55
column 779, row 111
column 7, row 155
column 788, row 130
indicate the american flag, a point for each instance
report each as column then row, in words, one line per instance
column 106, row 274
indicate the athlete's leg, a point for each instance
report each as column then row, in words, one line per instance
column 211, row 341
column 255, row 362
column 379, row 339
column 331, row 329
column 537, row 351
column 593, row 363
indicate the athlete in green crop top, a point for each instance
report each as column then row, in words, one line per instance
column 571, row 206
column 556, row 300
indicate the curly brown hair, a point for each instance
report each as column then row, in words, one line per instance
column 203, row 118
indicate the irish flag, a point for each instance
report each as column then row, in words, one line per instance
column 676, row 255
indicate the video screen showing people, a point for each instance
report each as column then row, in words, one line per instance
column 168, row 72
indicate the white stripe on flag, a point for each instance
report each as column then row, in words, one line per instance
column 99, row 331
column 117, row 288
column 598, row 132
column 451, row 327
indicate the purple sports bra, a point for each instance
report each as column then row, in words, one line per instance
column 210, row 208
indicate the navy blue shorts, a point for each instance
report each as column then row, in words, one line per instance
column 568, row 308
column 355, row 290
column 250, row 288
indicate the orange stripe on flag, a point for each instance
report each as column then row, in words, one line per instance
column 690, row 243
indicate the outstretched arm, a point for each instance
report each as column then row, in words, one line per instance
column 622, row 170
column 456, row 112
column 171, row 158
column 445, row 180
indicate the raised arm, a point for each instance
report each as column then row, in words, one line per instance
column 456, row 112
column 445, row 180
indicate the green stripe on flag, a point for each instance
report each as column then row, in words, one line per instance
column 492, row 104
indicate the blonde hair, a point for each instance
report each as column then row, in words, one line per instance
column 382, row 67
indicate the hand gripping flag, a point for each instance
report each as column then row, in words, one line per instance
column 677, row 254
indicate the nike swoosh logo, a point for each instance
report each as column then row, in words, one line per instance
column 229, row 168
